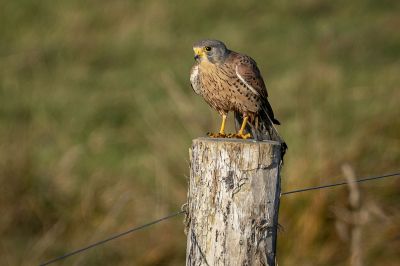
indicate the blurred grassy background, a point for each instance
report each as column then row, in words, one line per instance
column 97, row 115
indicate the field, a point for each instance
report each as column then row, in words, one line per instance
column 97, row 115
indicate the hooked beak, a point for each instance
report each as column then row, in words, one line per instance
column 198, row 53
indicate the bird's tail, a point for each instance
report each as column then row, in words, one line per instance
column 262, row 128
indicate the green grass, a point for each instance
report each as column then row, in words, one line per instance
column 97, row 115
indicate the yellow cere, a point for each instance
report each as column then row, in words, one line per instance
column 199, row 51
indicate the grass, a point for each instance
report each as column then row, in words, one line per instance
column 96, row 117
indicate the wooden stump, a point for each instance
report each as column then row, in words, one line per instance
column 233, row 202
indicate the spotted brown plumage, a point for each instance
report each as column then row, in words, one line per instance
column 230, row 81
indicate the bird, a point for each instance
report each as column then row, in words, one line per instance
column 231, row 82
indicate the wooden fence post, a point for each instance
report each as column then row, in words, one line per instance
column 233, row 202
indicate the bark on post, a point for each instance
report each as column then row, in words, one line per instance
column 233, row 202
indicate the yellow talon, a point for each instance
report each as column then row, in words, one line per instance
column 221, row 133
column 217, row 135
column 240, row 134
column 222, row 129
column 243, row 125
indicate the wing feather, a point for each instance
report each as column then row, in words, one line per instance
column 248, row 72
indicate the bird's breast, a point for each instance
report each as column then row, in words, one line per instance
column 224, row 90
column 207, row 68
column 195, row 79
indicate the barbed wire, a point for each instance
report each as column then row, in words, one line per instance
column 365, row 179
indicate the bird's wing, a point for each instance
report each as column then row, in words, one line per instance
column 247, row 71
column 195, row 79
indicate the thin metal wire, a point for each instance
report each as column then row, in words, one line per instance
column 111, row 238
column 339, row 184
column 182, row 211
column 198, row 246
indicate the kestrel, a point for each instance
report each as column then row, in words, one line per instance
column 230, row 81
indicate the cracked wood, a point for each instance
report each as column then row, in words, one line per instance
column 233, row 202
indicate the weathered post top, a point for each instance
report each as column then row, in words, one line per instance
column 233, row 202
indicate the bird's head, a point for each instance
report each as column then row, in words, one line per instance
column 213, row 51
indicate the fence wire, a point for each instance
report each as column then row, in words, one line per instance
column 360, row 180
column 112, row 238
column 365, row 179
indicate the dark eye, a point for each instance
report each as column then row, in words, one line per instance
column 207, row 48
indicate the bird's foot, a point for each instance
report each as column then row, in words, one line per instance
column 217, row 135
column 230, row 135
column 241, row 136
